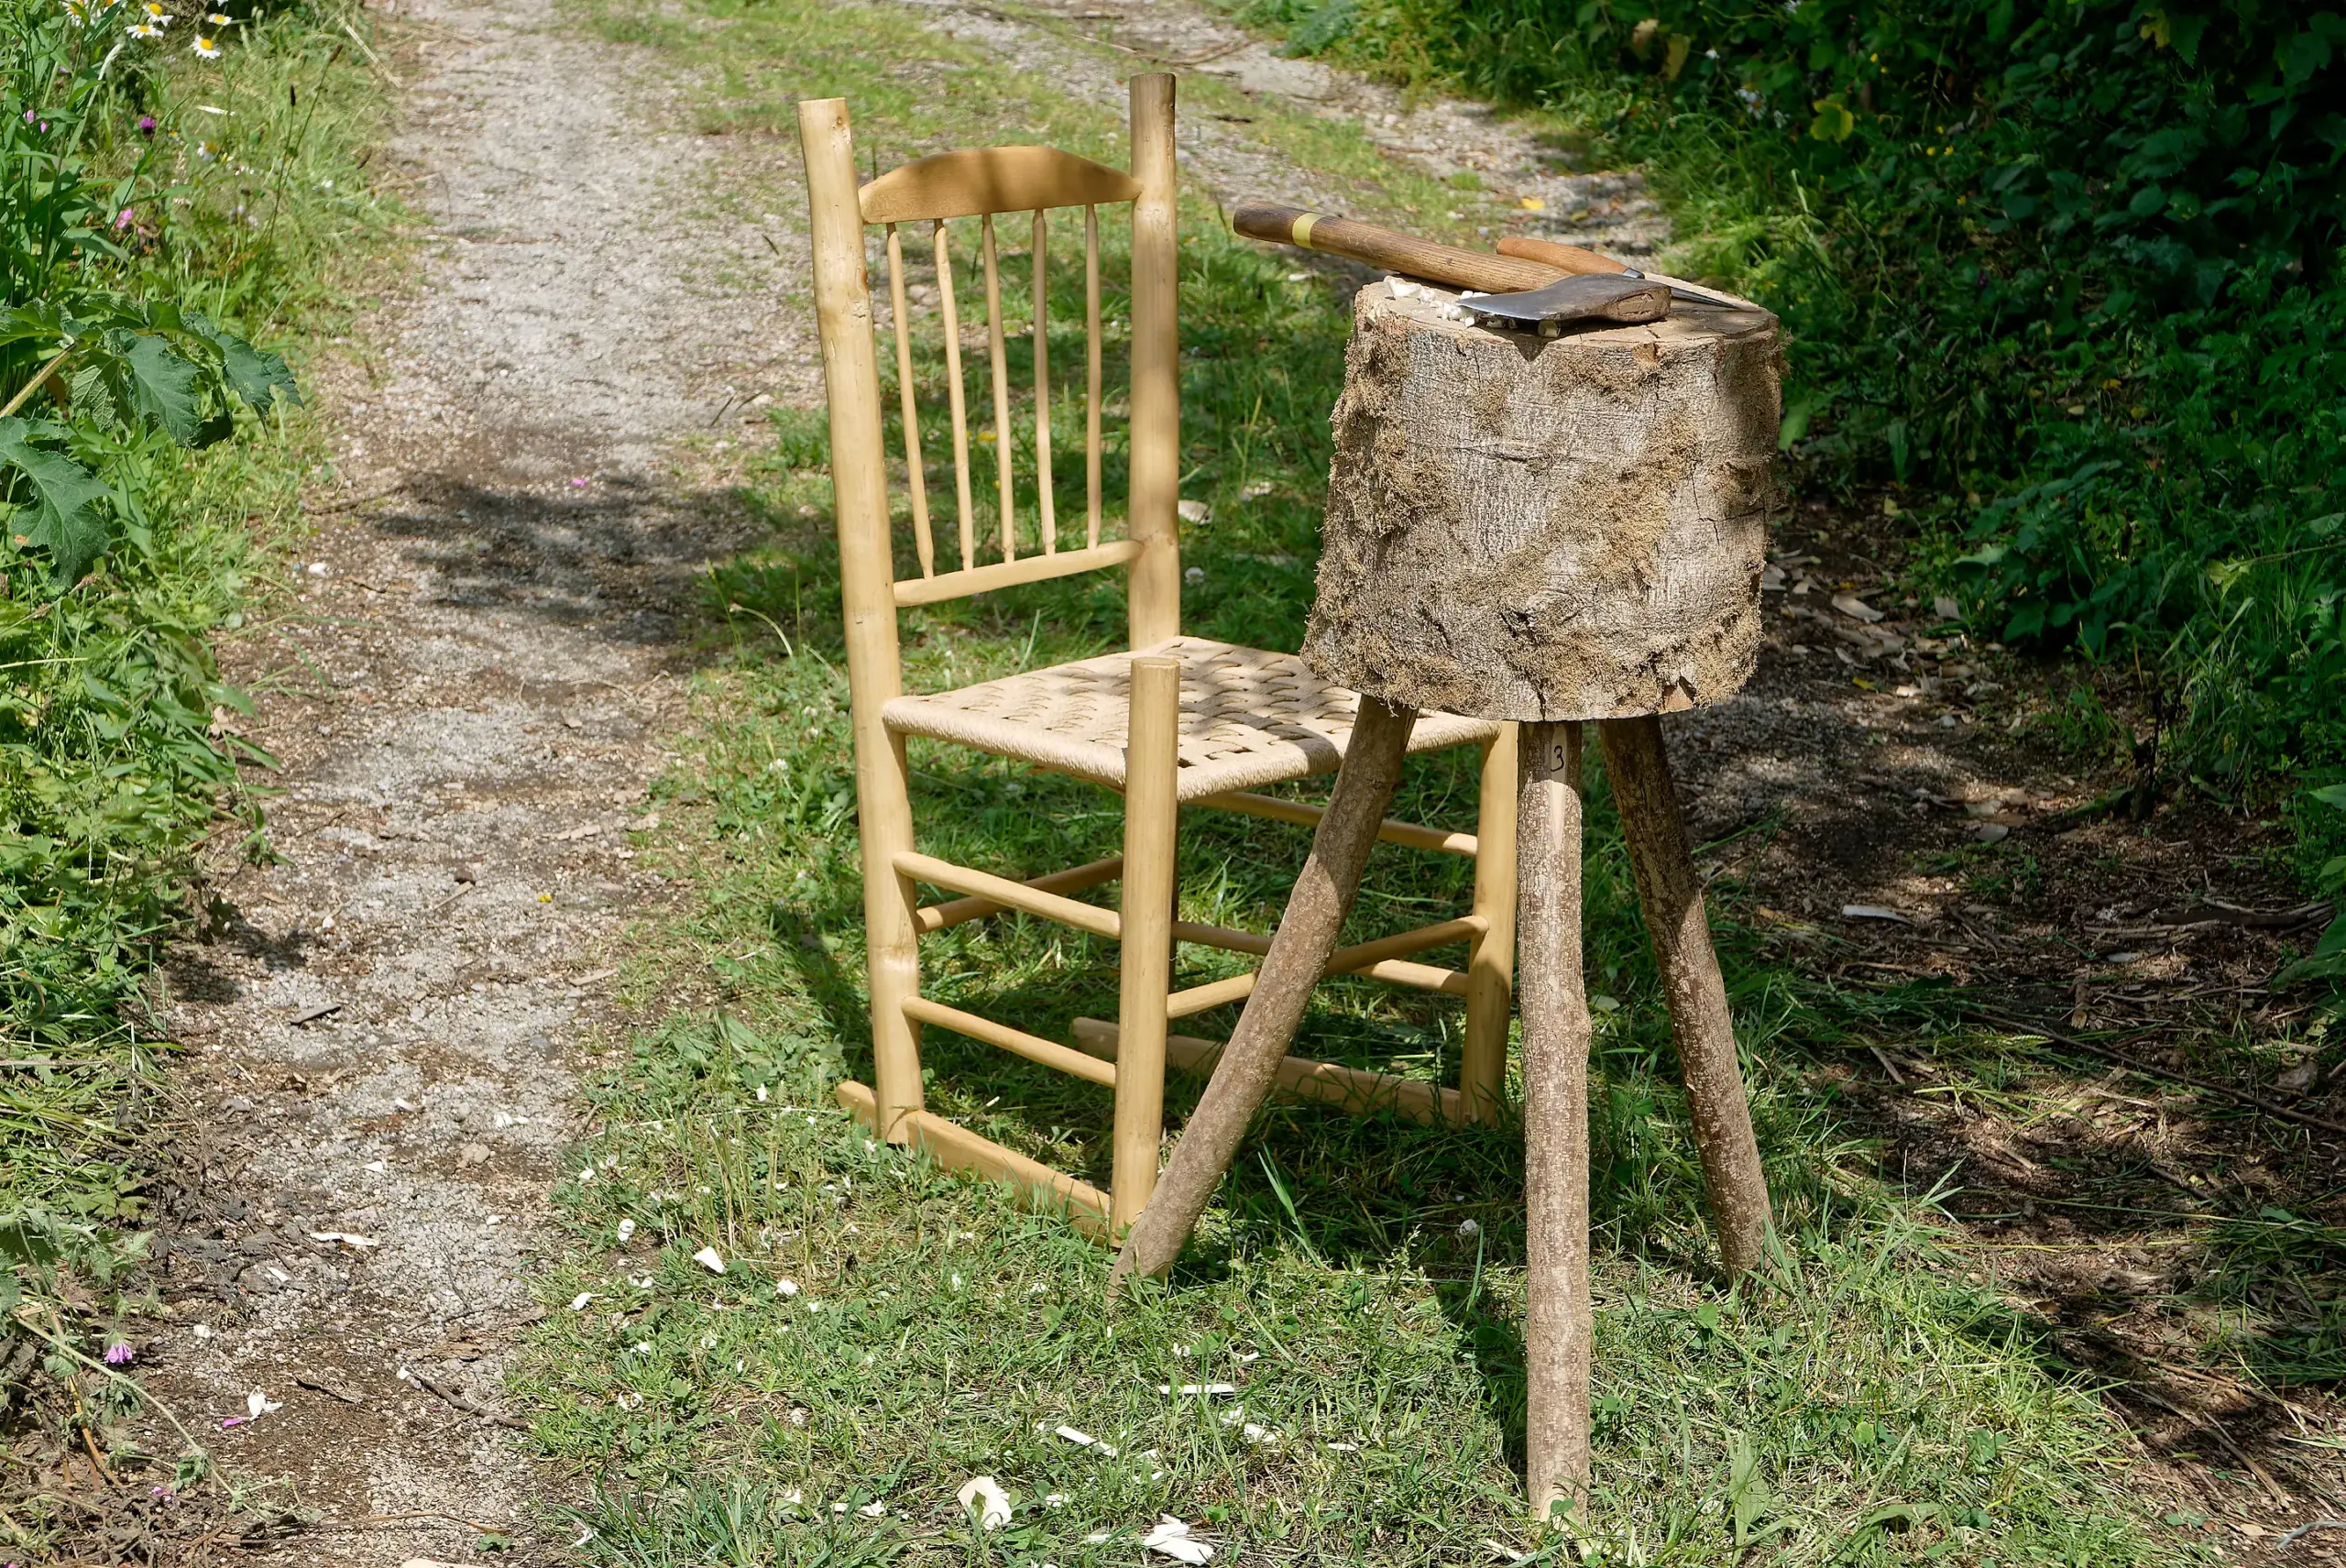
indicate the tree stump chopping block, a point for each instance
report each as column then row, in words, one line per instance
column 1546, row 529
column 1551, row 531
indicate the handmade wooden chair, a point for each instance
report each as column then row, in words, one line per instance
column 1178, row 720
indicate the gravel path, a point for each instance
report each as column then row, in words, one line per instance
column 467, row 688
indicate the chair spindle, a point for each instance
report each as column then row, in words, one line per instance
column 999, row 363
column 915, row 479
column 1091, row 381
column 1043, row 386
column 953, row 397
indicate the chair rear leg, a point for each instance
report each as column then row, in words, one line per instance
column 1490, row 964
column 1152, row 811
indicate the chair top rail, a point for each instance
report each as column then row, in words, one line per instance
column 976, row 180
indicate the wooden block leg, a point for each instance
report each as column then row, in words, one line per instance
column 1151, row 821
column 1299, row 949
column 1490, row 965
column 1559, row 1323
column 1672, row 897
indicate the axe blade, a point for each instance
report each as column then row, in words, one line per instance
column 1589, row 297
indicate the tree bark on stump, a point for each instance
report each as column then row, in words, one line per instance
column 1526, row 528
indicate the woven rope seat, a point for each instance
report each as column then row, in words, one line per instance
column 1248, row 717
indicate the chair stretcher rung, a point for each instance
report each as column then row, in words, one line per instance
column 1075, row 879
column 1424, row 976
column 1346, row 1088
column 1377, row 960
column 957, row 1148
column 1304, row 814
column 1012, row 894
column 1034, row 1048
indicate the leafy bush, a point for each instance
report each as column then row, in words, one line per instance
column 2328, row 960
column 2068, row 268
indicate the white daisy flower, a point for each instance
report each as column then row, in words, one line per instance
column 205, row 47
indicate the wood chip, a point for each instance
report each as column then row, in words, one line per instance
column 312, row 1015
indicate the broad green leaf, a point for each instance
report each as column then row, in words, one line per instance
column 163, row 388
column 65, row 517
column 257, row 376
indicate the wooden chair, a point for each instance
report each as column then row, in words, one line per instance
column 1177, row 721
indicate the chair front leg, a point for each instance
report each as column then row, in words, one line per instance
column 891, row 935
column 1490, row 964
column 1152, row 811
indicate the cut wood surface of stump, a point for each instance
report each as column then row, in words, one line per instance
column 1548, row 529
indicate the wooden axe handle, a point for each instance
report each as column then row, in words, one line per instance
column 1446, row 264
column 1570, row 257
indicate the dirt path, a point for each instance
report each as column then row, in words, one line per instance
column 1446, row 136
column 467, row 688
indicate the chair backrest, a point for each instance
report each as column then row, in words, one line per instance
column 982, row 183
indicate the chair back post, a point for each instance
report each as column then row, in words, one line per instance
column 867, row 574
column 1155, row 596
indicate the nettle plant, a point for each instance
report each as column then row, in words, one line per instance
column 101, row 384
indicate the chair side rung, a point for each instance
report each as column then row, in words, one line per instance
column 1346, row 1088
column 1376, row 959
column 1034, row 1048
column 1424, row 976
column 1011, row 894
column 956, row 1148
column 1306, row 815
column 1075, row 879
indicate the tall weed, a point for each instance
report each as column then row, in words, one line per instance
column 144, row 437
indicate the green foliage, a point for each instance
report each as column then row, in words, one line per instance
column 2067, row 268
column 132, row 368
column 139, row 272
column 2328, row 960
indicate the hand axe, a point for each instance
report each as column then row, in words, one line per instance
column 1518, row 293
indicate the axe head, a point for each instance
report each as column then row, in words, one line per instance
column 1548, row 309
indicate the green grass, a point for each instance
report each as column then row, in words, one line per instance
column 1360, row 1280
